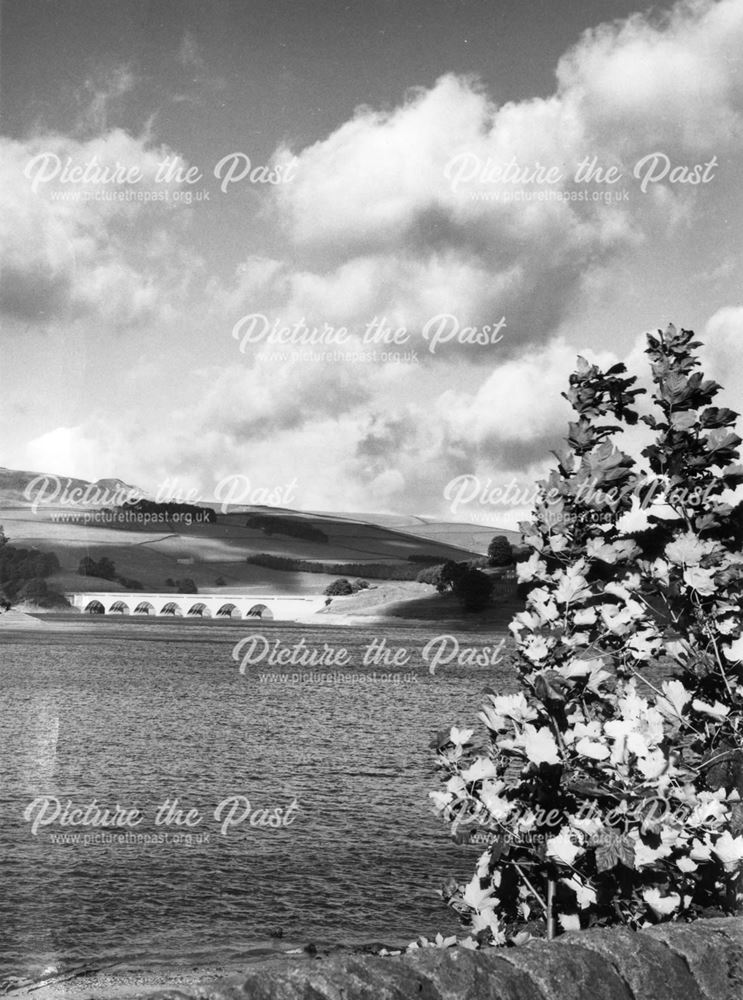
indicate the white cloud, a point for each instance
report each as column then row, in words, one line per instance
column 69, row 249
column 375, row 229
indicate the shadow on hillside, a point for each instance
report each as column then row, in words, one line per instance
column 446, row 607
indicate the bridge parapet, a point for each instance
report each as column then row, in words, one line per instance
column 282, row 607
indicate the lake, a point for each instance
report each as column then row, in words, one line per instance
column 250, row 807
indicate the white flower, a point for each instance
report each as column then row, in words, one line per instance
column 729, row 850
column 661, row 905
column 563, row 849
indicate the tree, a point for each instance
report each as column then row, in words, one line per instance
column 104, row 569
column 34, row 589
column 473, row 589
column 430, row 575
column 87, row 567
column 187, row 586
column 500, row 552
column 450, row 572
column 338, row 588
column 609, row 794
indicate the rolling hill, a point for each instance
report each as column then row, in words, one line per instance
column 211, row 552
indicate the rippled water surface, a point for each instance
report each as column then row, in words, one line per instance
column 139, row 718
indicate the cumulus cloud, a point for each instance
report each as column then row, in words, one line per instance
column 399, row 207
column 393, row 216
column 72, row 248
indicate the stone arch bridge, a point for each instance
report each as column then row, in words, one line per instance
column 276, row 606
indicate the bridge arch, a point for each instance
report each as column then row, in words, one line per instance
column 94, row 608
column 119, row 608
column 145, row 608
column 172, row 608
column 199, row 610
column 259, row 611
column 228, row 610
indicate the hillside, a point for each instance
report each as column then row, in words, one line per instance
column 208, row 552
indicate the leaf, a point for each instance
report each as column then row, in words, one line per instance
column 550, row 686
column 617, row 850
column 513, row 772
column 683, row 420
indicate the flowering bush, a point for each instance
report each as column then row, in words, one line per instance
column 608, row 789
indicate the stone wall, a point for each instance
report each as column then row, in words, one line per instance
column 700, row 961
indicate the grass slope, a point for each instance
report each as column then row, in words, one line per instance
column 206, row 552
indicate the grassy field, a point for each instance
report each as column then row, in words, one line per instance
column 206, row 553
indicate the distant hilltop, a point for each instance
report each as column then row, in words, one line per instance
column 16, row 484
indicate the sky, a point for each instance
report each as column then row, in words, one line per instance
column 458, row 198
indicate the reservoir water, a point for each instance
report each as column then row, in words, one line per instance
column 331, row 840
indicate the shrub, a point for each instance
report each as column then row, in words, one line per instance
column 338, row 588
column 431, row 575
column 34, row 589
column 18, row 566
column 104, row 568
column 500, row 552
column 372, row 570
column 606, row 795
column 278, row 524
column 473, row 588
column 187, row 586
